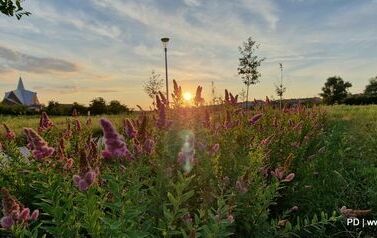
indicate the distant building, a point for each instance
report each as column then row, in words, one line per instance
column 21, row 96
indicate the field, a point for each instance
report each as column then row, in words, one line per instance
column 192, row 173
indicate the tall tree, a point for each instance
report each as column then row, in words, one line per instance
column 13, row 8
column 248, row 64
column 153, row 85
column 371, row 88
column 335, row 90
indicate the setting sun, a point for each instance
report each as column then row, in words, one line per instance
column 187, row 96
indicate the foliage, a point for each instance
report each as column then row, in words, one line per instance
column 115, row 107
column 13, row 8
column 371, row 88
column 335, row 90
column 6, row 109
column 363, row 99
column 248, row 170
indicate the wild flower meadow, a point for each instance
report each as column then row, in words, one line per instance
column 221, row 171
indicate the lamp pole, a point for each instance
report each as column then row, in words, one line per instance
column 165, row 41
column 281, row 84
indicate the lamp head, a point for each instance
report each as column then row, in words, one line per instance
column 165, row 41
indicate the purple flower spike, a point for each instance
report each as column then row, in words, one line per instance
column 90, row 176
column 7, row 222
column 149, row 145
column 129, row 128
column 114, row 145
column 255, row 118
column 83, row 185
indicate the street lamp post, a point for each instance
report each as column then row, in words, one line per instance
column 281, row 84
column 165, row 41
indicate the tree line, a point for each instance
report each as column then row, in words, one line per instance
column 97, row 106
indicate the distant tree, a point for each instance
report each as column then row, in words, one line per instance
column 98, row 106
column 280, row 89
column 153, row 85
column 371, row 88
column 248, row 64
column 13, row 8
column 335, row 90
column 115, row 107
column 81, row 109
column 54, row 108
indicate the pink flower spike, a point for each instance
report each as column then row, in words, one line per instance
column 278, row 173
column 230, row 218
column 68, row 164
column 7, row 222
column 25, row 215
column 9, row 134
column 214, row 149
column 34, row 216
column 38, row 145
column 289, row 178
column 294, row 209
column 114, row 145
column 45, row 123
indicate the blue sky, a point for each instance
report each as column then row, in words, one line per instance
column 75, row 50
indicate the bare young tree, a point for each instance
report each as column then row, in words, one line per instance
column 248, row 64
column 153, row 85
column 280, row 89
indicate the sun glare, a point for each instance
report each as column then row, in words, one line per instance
column 187, row 96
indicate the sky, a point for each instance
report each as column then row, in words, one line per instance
column 76, row 50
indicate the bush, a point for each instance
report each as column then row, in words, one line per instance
column 15, row 110
column 360, row 100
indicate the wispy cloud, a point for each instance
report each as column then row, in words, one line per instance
column 109, row 47
column 12, row 59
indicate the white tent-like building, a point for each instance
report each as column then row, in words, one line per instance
column 21, row 96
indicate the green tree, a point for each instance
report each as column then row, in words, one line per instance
column 335, row 90
column 81, row 109
column 98, row 106
column 248, row 64
column 13, row 8
column 115, row 107
column 371, row 88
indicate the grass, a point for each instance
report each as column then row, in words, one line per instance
column 335, row 165
column 345, row 173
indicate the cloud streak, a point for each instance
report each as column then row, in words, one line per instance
column 14, row 60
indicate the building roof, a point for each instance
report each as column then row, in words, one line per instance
column 22, row 96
